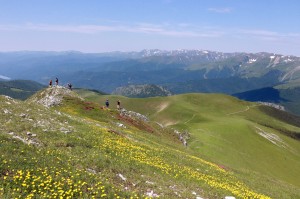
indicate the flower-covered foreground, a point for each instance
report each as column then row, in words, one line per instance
column 68, row 175
column 86, row 153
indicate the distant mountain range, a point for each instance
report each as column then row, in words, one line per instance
column 178, row 71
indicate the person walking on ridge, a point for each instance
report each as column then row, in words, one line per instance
column 50, row 83
column 107, row 103
column 56, row 81
column 118, row 105
column 70, row 86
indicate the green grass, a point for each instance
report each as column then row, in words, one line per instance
column 225, row 130
column 82, row 149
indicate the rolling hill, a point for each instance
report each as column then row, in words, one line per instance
column 141, row 91
column 19, row 89
column 58, row 144
column 254, row 140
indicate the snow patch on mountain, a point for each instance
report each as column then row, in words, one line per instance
column 252, row 61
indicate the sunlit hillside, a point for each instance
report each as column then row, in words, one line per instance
column 259, row 143
column 58, row 144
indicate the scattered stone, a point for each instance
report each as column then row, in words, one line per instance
column 151, row 193
column 91, row 171
column 277, row 106
column 11, row 133
column 9, row 98
column 23, row 115
column 121, row 125
column 149, row 182
column 6, row 111
column 26, row 141
column 183, row 136
column 184, row 143
column 64, row 130
column 28, row 133
column 132, row 114
column 122, row 177
column 229, row 197
column 172, row 187
column 57, row 112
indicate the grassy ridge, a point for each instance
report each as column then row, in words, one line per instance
column 80, row 150
column 226, row 131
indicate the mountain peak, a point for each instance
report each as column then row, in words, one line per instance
column 53, row 96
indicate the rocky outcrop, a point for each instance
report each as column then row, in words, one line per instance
column 133, row 115
column 52, row 96
column 277, row 106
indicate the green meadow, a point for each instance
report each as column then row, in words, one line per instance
column 259, row 143
column 80, row 149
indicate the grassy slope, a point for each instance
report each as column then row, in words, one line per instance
column 225, row 130
column 19, row 89
column 82, row 151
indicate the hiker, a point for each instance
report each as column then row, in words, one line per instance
column 107, row 103
column 56, row 81
column 70, row 86
column 118, row 105
column 50, row 83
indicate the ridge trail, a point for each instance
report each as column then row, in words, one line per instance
column 190, row 119
column 242, row 111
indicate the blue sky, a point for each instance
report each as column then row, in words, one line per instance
column 133, row 25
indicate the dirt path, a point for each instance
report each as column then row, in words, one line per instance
column 162, row 106
column 190, row 119
column 242, row 111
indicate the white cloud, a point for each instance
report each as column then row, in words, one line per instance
column 69, row 28
column 220, row 10
column 273, row 37
column 146, row 28
column 4, row 77
column 86, row 29
column 259, row 32
column 264, row 35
